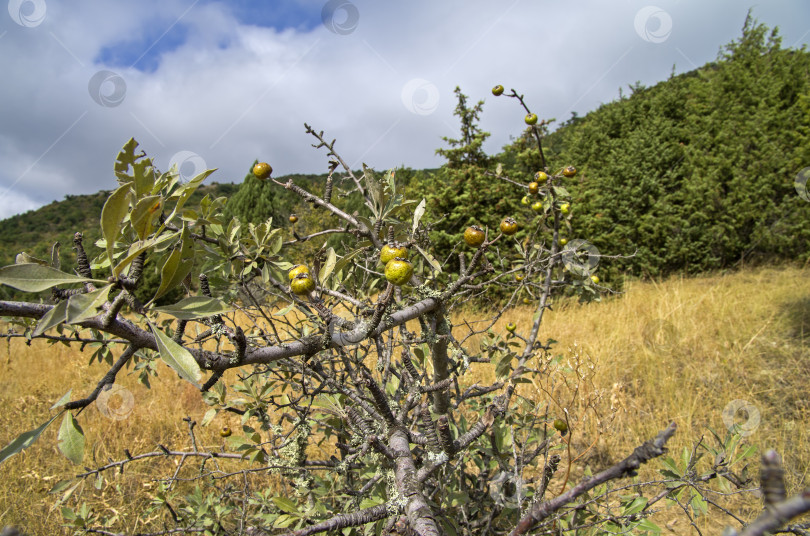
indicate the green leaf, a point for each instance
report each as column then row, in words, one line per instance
column 286, row 505
column 559, row 191
column 195, row 307
column 457, row 498
column 62, row 401
column 71, row 439
column 749, row 451
column 392, row 385
column 646, row 524
column 36, row 278
column 375, row 188
column 25, row 258
column 83, row 306
column 208, row 417
column 265, row 274
column 397, row 205
column 275, row 246
column 731, row 442
column 177, row 357
column 186, row 191
column 68, row 514
column 329, row 402
column 56, row 261
column 390, row 177
column 669, row 463
column 284, row 311
column 368, row 502
column 24, row 440
column 112, row 216
column 167, row 181
column 126, row 157
column 504, row 367
column 450, row 527
column 139, row 247
column 328, row 267
column 62, row 485
column 636, row 506
column 191, row 216
column 284, row 521
column 699, row 506
column 52, row 318
column 177, row 266
column 144, row 175
column 502, row 437
column 143, row 214
column 430, row 259
column 343, row 262
column 418, row 212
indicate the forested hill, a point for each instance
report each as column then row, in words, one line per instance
column 695, row 173
column 698, row 172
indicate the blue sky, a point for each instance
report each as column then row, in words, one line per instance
column 163, row 33
column 280, row 14
column 219, row 84
column 143, row 50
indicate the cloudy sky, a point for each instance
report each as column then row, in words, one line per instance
column 218, row 84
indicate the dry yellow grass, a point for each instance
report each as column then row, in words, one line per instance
column 683, row 349
column 677, row 350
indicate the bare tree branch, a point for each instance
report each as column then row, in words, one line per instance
column 642, row 454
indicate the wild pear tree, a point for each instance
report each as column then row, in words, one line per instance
column 359, row 411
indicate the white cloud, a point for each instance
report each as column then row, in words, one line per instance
column 15, row 203
column 234, row 91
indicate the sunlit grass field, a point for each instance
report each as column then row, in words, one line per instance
column 677, row 350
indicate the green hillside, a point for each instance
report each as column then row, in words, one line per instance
column 694, row 174
column 698, row 173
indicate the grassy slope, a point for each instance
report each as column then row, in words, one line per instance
column 680, row 350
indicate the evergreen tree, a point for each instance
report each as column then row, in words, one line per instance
column 460, row 190
column 467, row 150
column 697, row 172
